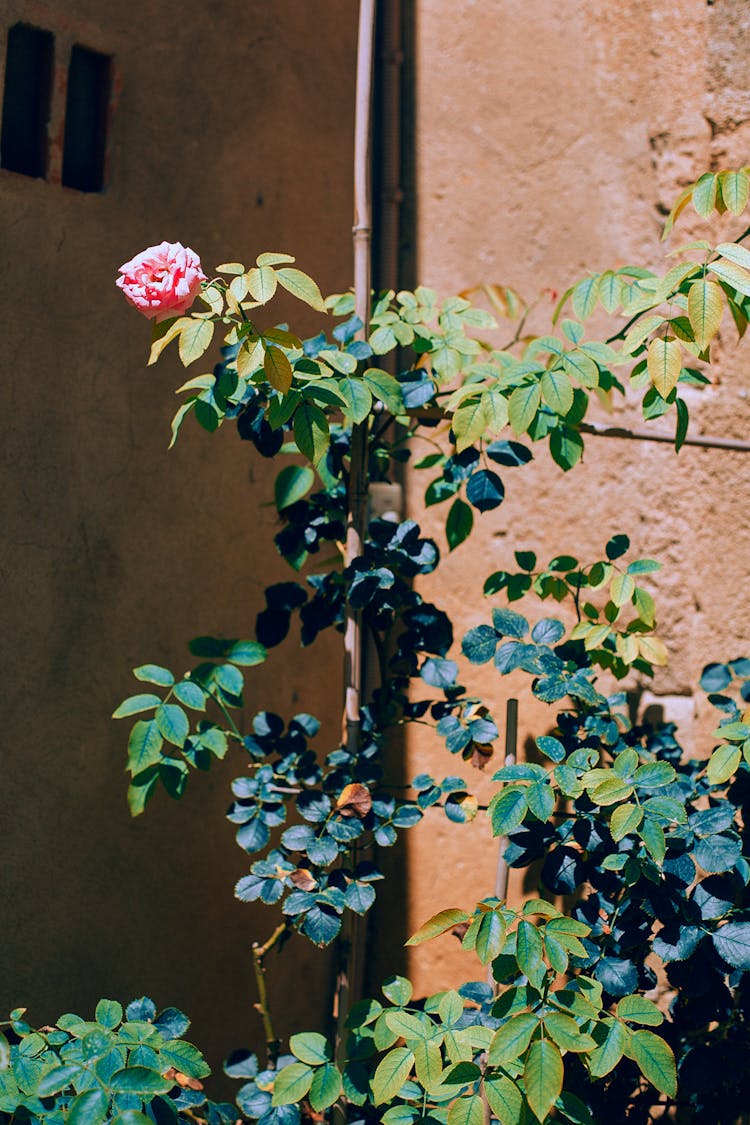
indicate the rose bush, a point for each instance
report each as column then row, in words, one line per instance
column 162, row 281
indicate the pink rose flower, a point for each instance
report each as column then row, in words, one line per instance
column 162, row 281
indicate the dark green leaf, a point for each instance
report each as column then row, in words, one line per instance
column 459, row 523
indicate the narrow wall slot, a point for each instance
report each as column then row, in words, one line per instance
column 26, row 100
column 89, row 82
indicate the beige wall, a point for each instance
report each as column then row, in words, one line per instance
column 552, row 140
column 231, row 132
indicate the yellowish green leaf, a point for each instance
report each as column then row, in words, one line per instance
column 653, row 650
column 278, row 369
column 705, row 310
column 261, row 284
column 735, row 188
column 195, row 338
column 664, row 364
column 302, row 287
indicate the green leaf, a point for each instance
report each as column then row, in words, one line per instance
column 543, row 1077
column 467, row 1111
column 262, row 283
column 393, row 1070
column 292, row 1084
column 724, row 763
column 292, row 484
column 622, row 589
column 735, row 187
column 459, row 523
column 278, row 369
column 581, row 367
column 734, row 276
column 273, row 259
column 407, row 1026
column 141, row 1080
column 310, row 1047
column 664, row 364
column 357, row 396
column 585, row 296
column 505, row 1099
column 163, row 333
column 566, row 447
column 490, row 936
column 567, row 1034
column 557, row 390
column 523, row 405
column 507, row 810
column 512, row 1038
column 302, row 287
column 704, row 194
column 440, row 923
column 89, row 1108
column 683, row 421
column 529, row 953
column 179, row 419
column 247, row 653
column 428, row 1062
column 135, row 704
column 610, row 287
column 625, row 819
column 190, row 694
column 469, row 423
column 736, row 253
column 638, row 1009
column 141, row 789
column 311, row 431
column 397, row 989
column 656, row 1061
column 56, row 1080
column 195, row 339
column 108, row 1013
column 172, row 723
column 326, row 1087
column 144, row 745
column 385, row 388
column 606, row 1057
column 705, row 310
column 154, row 674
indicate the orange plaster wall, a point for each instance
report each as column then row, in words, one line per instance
column 552, row 140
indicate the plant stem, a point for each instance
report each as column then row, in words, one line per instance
column 358, row 484
column 511, row 750
column 262, row 1008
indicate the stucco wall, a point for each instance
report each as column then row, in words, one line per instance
column 552, row 140
column 231, row 132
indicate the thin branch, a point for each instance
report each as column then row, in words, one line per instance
column 273, row 1043
column 598, row 430
column 511, row 751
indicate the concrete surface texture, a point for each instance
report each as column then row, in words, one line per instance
column 553, row 139
column 231, row 132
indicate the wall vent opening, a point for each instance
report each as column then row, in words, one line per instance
column 86, row 109
column 26, row 100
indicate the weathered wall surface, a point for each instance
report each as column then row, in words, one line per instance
column 553, row 138
column 232, row 133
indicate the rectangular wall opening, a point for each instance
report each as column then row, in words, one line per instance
column 26, row 100
column 89, row 84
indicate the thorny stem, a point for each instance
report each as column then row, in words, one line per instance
column 260, row 952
